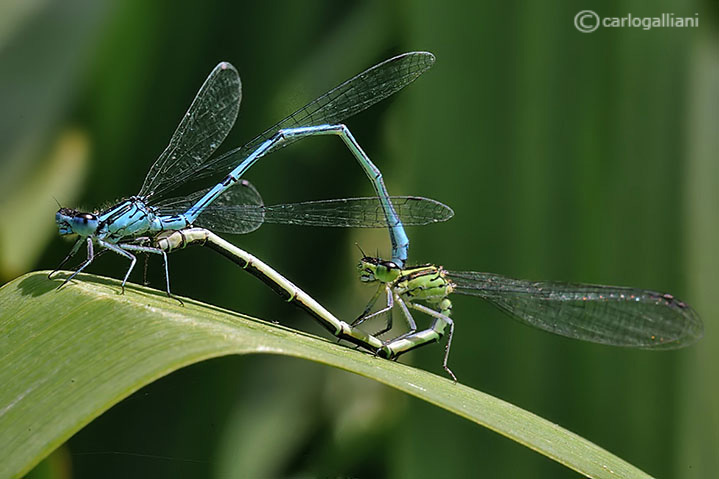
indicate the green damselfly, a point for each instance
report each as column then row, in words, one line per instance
column 612, row 315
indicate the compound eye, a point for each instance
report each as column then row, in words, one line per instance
column 67, row 212
column 390, row 265
column 86, row 217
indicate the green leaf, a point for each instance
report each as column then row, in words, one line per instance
column 69, row 355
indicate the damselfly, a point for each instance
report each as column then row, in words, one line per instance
column 612, row 315
column 128, row 226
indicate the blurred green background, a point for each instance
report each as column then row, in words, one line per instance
column 569, row 156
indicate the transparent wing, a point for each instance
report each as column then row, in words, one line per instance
column 612, row 315
column 202, row 129
column 340, row 103
column 358, row 212
column 238, row 210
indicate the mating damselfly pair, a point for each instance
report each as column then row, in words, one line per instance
column 151, row 223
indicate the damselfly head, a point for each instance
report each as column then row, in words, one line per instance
column 71, row 221
column 376, row 269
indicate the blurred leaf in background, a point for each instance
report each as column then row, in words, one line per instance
column 25, row 231
column 566, row 155
column 42, row 155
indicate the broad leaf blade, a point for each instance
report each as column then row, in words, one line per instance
column 68, row 356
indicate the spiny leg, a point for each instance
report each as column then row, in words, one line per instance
column 116, row 249
column 142, row 241
column 373, row 300
column 410, row 321
column 446, row 320
column 407, row 315
column 146, row 265
column 362, row 317
column 73, row 251
column 388, row 324
column 140, row 245
column 153, row 250
column 390, row 305
column 386, row 311
column 90, row 257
